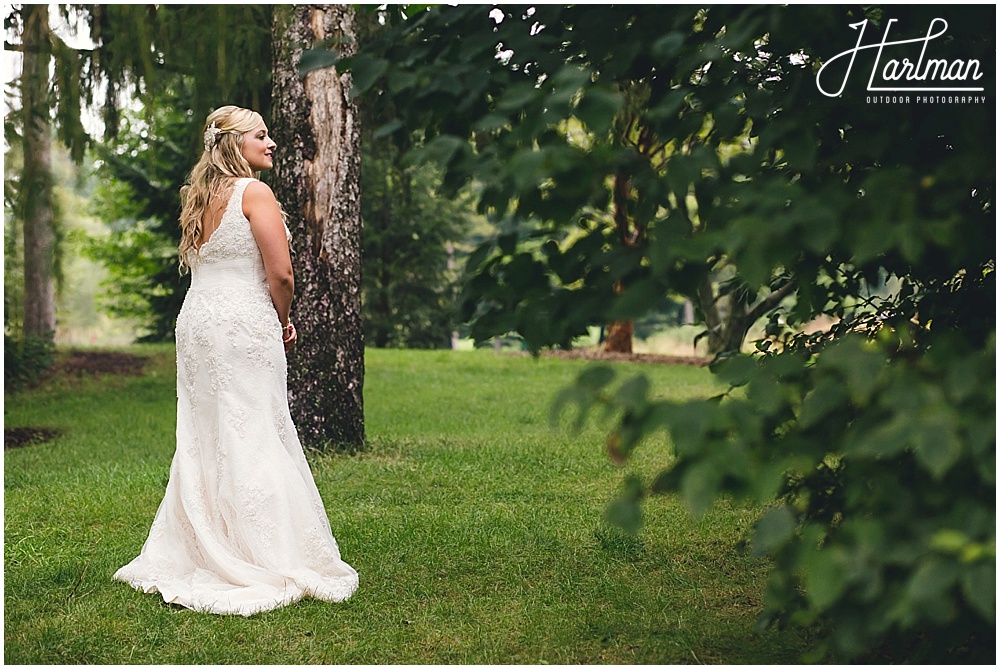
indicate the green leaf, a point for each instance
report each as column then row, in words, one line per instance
column 887, row 439
column 859, row 362
column 949, row 541
column 637, row 300
column 365, row 71
column 700, row 486
column 598, row 108
column 490, row 122
column 820, row 402
column 930, row 583
column 765, row 394
column 667, row 46
column 317, row 59
column 682, row 171
column 409, row 11
column 565, row 84
column 632, row 394
column 596, row 377
column 440, row 150
column 625, row 510
column 736, row 370
column 825, row 577
column 773, row 529
column 687, row 424
column 527, row 168
column 398, row 80
column 979, row 585
column 517, row 97
column 936, row 443
column 387, row 129
column 800, row 149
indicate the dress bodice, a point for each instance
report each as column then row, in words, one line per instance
column 230, row 256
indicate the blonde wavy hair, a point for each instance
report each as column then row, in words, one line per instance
column 220, row 165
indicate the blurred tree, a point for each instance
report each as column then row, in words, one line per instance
column 408, row 288
column 871, row 442
column 570, row 137
column 211, row 55
column 408, row 293
column 35, row 190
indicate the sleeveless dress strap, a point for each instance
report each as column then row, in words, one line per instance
column 240, row 187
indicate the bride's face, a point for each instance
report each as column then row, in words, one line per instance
column 258, row 148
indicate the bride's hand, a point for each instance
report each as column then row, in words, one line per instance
column 289, row 337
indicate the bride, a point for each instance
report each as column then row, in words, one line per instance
column 241, row 528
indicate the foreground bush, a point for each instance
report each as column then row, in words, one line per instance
column 881, row 470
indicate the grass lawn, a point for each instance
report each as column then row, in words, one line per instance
column 476, row 529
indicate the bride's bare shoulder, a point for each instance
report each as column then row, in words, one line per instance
column 258, row 197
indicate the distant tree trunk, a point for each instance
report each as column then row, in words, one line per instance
column 618, row 338
column 36, row 181
column 450, row 249
column 317, row 180
column 688, row 313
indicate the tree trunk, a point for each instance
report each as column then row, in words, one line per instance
column 619, row 333
column 317, row 180
column 619, row 337
column 39, row 225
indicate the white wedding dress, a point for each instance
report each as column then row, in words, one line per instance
column 241, row 528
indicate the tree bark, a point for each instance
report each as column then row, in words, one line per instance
column 317, row 179
column 36, row 183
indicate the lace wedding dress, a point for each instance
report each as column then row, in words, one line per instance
column 241, row 527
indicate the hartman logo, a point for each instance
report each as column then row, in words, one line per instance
column 905, row 66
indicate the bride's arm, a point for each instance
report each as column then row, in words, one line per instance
column 261, row 209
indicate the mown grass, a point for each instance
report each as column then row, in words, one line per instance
column 475, row 526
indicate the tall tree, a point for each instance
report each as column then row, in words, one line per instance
column 36, row 183
column 317, row 179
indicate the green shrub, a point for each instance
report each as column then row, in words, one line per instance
column 26, row 360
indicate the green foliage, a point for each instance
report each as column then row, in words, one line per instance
column 26, row 360
column 142, row 50
column 67, row 183
column 410, row 232
column 874, row 439
column 13, row 245
column 138, row 196
column 882, row 467
column 179, row 62
column 408, row 288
